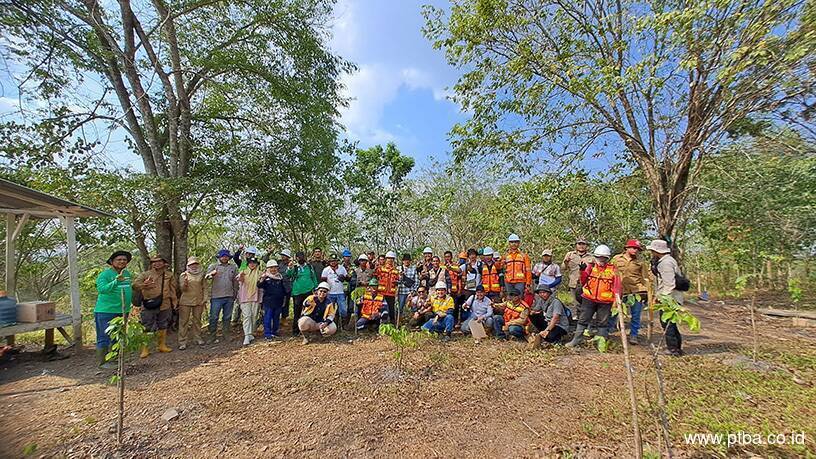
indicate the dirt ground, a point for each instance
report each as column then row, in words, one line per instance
column 343, row 398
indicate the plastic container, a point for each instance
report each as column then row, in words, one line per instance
column 8, row 310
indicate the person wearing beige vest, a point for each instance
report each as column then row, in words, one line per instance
column 191, row 303
column 157, row 289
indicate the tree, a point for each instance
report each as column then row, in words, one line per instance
column 186, row 80
column 661, row 82
column 376, row 182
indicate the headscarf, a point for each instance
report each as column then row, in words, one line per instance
column 194, row 269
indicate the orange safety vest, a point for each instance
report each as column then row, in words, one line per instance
column 599, row 286
column 490, row 280
column 371, row 305
column 388, row 279
column 513, row 312
column 454, row 277
column 517, row 268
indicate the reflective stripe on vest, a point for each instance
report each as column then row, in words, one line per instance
column 454, row 277
column 490, row 281
column 388, row 281
column 512, row 311
column 600, row 283
column 371, row 306
column 514, row 273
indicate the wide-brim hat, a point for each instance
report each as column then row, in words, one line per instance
column 547, row 253
column 659, row 246
column 120, row 253
column 581, row 240
column 157, row 257
column 193, row 261
column 223, row 253
column 543, row 288
column 271, row 264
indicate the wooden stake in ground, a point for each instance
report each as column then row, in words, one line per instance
column 753, row 323
column 650, row 307
column 630, row 383
column 121, row 370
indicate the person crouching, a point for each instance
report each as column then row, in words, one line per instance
column 372, row 306
column 442, row 309
column 549, row 316
column 514, row 318
column 318, row 314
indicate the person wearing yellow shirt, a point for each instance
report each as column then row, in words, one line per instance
column 442, row 310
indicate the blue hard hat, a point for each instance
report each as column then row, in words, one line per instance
column 346, row 252
column 224, row 253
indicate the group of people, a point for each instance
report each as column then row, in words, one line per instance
column 481, row 292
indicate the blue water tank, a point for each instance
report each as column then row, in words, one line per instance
column 8, row 310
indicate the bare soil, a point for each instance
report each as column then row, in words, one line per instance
column 343, row 397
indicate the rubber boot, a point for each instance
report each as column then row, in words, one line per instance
column 534, row 341
column 603, row 331
column 162, row 347
column 100, row 355
column 345, row 322
column 579, row 336
column 145, row 352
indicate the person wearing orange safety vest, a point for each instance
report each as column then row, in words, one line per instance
column 372, row 306
column 388, row 277
column 490, row 275
column 601, row 288
column 514, row 317
column 518, row 276
column 455, row 275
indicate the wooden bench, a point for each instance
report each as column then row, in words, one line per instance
column 60, row 321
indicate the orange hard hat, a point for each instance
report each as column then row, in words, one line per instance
column 463, row 254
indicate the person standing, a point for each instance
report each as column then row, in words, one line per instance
column 283, row 264
column 241, row 258
column 304, row 281
column 274, row 293
column 634, row 272
column 360, row 276
column 248, row 298
column 317, row 262
column 471, row 271
column 518, row 275
column 454, row 274
column 223, row 276
column 491, row 275
column 191, row 303
column 423, row 268
column 335, row 275
column 601, row 288
column 111, row 284
column 388, row 277
column 408, row 282
column 666, row 269
column 349, row 266
column 157, row 288
column 574, row 262
column 547, row 273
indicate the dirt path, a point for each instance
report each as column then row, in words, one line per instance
column 343, row 398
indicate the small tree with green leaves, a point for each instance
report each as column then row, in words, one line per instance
column 402, row 338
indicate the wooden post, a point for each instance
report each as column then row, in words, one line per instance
column 11, row 259
column 630, row 383
column 73, row 279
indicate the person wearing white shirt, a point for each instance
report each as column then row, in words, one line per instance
column 481, row 310
column 335, row 274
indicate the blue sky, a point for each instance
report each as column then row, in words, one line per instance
column 398, row 93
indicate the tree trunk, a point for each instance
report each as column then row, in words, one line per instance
column 164, row 237
column 180, row 248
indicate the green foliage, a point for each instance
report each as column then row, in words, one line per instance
column 601, row 343
column 29, row 449
column 402, row 338
column 671, row 311
column 134, row 338
column 795, row 290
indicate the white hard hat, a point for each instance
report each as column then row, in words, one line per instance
column 251, row 249
column 390, row 254
column 427, row 250
column 441, row 286
column 488, row 251
column 602, row 251
column 324, row 286
column 496, row 255
column 363, row 257
column 286, row 253
column 271, row 263
column 513, row 238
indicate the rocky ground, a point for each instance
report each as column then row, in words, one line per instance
column 344, row 397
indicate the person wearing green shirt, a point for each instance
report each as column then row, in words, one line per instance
column 110, row 284
column 304, row 281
